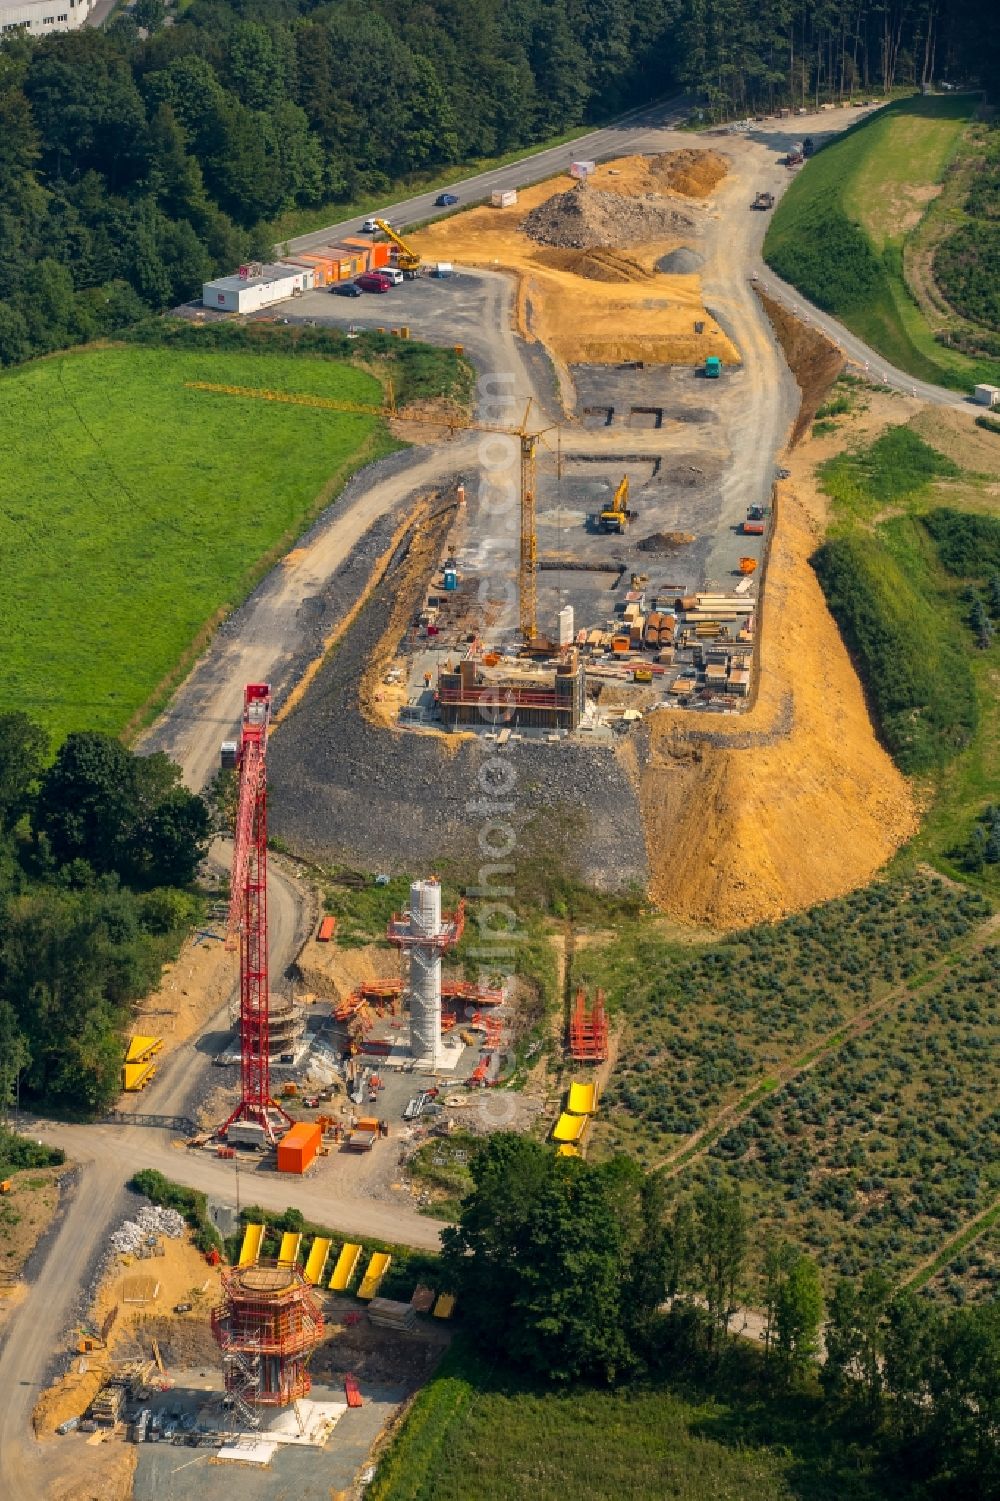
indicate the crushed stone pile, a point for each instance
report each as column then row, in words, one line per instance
column 681, row 262
column 664, row 541
column 583, row 218
column 151, row 1220
column 696, row 174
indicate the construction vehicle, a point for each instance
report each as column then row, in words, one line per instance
column 407, row 258
column 748, row 565
column 763, row 201
column 617, row 516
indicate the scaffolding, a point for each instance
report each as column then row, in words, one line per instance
column 588, row 1029
column 267, row 1327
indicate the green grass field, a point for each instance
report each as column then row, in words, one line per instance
column 133, row 510
column 476, row 1432
column 839, row 231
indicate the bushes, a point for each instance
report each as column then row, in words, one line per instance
column 965, row 270
column 919, row 682
column 17, row 1152
column 189, row 1202
column 968, row 543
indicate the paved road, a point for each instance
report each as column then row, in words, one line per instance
column 611, row 140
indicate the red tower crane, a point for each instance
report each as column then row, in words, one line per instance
column 248, row 916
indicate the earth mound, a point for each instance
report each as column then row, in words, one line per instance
column 595, row 264
column 696, row 174
column 583, row 218
column 664, row 541
column 681, row 262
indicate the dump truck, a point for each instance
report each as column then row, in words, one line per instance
column 763, row 201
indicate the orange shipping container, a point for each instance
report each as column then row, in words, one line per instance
column 327, row 928
column 298, row 1147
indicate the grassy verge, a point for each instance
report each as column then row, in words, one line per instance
column 476, row 1431
column 839, row 232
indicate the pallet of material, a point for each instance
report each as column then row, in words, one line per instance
column 387, row 1313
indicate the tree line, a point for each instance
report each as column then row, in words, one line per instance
column 573, row 1271
column 97, row 851
column 139, row 160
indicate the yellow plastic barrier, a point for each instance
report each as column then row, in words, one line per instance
column 250, row 1249
column 582, row 1099
column 445, row 1306
column 136, row 1076
column 288, row 1252
column 375, row 1271
column 347, row 1265
column 569, row 1127
column 567, row 1149
column 142, row 1048
column 316, row 1263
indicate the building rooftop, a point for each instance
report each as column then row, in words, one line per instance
column 267, row 275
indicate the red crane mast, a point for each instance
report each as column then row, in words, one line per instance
column 248, row 916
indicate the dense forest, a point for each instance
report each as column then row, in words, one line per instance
column 138, row 160
column 97, row 853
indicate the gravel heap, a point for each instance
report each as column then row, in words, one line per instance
column 682, row 262
column 132, row 1235
column 585, row 217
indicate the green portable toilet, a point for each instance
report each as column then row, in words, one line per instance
column 713, row 367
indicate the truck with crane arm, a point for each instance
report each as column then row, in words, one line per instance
column 407, row 258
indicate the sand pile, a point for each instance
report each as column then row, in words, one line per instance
column 595, row 264
column 584, row 217
column 664, row 541
column 803, row 804
column 681, row 262
column 696, row 174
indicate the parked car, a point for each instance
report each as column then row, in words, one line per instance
column 445, row 200
column 393, row 273
column 373, row 281
column 346, row 289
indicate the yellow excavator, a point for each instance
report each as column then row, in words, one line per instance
column 407, row 259
column 617, row 516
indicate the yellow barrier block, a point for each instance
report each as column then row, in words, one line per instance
column 445, row 1306
column 375, row 1271
column 582, row 1099
column 288, row 1252
column 316, row 1262
column 250, row 1249
column 567, row 1149
column 347, row 1265
column 569, row 1127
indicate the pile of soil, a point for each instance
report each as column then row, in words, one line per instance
column 681, row 262
column 696, row 174
column 664, row 541
column 796, row 802
column 595, row 264
column 582, row 218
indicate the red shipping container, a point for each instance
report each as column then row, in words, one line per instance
column 298, row 1147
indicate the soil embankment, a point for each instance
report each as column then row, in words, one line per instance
column 799, row 803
